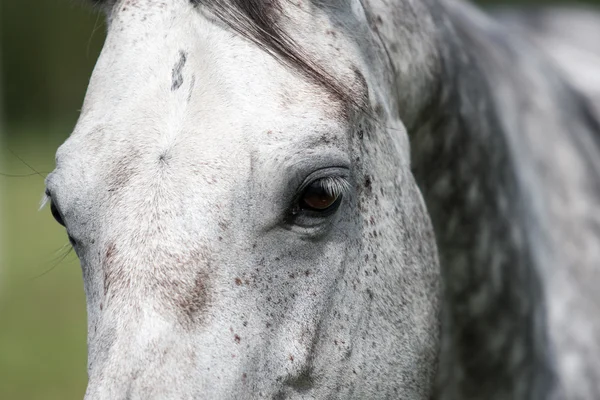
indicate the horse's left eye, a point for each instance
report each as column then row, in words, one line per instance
column 318, row 198
column 56, row 214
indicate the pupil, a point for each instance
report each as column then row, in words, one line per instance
column 316, row 197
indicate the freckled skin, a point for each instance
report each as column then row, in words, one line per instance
column 180, row 177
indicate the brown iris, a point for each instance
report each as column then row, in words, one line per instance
column 317, row 198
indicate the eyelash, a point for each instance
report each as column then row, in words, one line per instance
column 334, row 185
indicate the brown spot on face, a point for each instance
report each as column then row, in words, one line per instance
column 195, row 301
column 110, row 250
column 178, row 283
column 123, row 170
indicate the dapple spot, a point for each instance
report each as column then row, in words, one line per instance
column 194, row 302
column 177, row 72
column 124, row 169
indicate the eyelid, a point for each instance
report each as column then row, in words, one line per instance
column 341, row 173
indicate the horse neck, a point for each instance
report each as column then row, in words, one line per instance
column 488, row 161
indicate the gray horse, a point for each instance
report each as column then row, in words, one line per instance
column 318, row 199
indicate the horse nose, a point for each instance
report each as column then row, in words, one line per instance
column 118, row 381
column 133, row 354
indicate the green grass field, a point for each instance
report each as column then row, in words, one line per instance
column 42, row 305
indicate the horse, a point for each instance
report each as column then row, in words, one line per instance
column 320, row 199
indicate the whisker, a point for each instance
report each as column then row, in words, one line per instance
column 45, row 200
column 36, row 172
column 66, row 249
column 19, row 175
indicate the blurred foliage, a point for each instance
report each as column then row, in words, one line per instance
column 48, row 49
column 42, row 305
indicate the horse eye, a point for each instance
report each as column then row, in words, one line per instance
column 56, row 214
column 317, row 198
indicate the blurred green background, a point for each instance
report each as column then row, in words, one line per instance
column 48, row 49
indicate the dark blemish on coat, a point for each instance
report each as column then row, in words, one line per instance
column 110, row 251
column 194, row 302
column 177, row 72
column 184, row 284
column 237, row 338
column 124, row 169
column 191, row 90
column 107, row 263
column 223, row 224
column 368, row 184
column 238, row 282
column 360, row 87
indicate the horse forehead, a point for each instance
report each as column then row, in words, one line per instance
column 181, row 43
